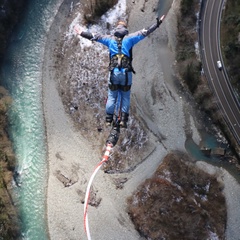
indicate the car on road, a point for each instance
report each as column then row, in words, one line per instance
column 219, row 65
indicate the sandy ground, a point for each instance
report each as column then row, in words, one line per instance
column 73, row 157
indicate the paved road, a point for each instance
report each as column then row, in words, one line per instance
column 211, row 53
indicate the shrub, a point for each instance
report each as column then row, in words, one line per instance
column 180, row 201
column 96, row 8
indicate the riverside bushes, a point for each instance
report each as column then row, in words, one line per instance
column 230, row 37
column 96, row 8
column 180, row 201
column 189, row 66
column 9, row 227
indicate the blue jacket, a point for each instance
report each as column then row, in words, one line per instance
column 128, row 40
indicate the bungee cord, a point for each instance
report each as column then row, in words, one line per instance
column 87, row 195
column 110, row 143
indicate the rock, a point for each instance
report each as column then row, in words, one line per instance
column 65, row 180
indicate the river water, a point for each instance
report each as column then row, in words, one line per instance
column 22, row 77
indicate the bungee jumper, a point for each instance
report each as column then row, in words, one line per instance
column 120, row 45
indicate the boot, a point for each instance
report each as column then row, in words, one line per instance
column 113, row 137
column 124, row 119
column 109, row 119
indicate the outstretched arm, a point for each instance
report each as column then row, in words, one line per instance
column 152, row 28
column 82, row 33
column 104, row 39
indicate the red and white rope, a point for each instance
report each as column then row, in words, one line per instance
column 87, row 195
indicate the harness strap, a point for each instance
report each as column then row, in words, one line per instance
column 127, row 65
column 120, row 60
column 126, row 78
column 119, row 55
column 125, row 88
column 114, row 87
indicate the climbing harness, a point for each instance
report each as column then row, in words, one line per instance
column 120, row 61
column 114, row 87
column 118, row 108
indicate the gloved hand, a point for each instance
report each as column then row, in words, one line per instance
column 159, row 21
column 78, row 29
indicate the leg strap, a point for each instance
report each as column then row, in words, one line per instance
column 125, row 88
column 113, row 87
column 109, row 118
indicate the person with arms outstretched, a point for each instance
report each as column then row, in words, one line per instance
column 120, row 45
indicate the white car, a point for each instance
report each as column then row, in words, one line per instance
column 219, row 65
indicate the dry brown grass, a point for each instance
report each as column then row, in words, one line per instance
column 230, row 41
column 96, row 8
column 179, row 202
column 9, row 228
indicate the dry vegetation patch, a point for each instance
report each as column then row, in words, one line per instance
column 93, row 9
column 230, row 42
column 9, row 227
column 179, row 202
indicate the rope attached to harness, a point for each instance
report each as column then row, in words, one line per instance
column 87, row 195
